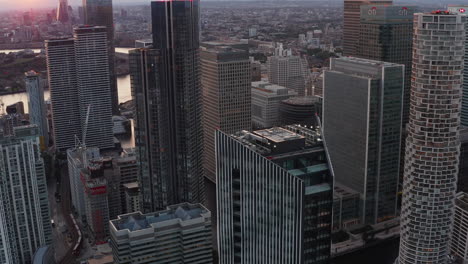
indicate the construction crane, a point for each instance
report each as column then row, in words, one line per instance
column 82, row 143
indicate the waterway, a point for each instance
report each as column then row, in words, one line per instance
column 383, row 253
column 123, row 85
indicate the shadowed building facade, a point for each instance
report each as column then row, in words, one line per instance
column 352, row 24
column 167, row 92
column 100, row 13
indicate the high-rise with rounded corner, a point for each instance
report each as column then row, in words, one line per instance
column 432, row 146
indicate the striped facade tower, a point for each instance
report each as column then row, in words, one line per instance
column 61, row 71
column 432, row 146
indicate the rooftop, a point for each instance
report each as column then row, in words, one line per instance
column 278, row 134
column 280, row 140
column 138, row 221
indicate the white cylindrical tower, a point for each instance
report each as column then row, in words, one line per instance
column 432, row 147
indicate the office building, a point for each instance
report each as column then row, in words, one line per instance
column 459, row 245
column 180, row 234
column 351, row 23
column 25, row 215
column 386, row 34
column 126, row 169
column 463, row 10
column 94, row 85
column 62, row 11
column 37, row 109
column 168, row 130
column 225, row 78
column 275, row 196
column 288, row 71
column 132, row 197
column 64, row 96
column 362, row 123
column 100, row 13
column 266, row 98
column 299, row 110
column 346, row 203
column 78, row 158
column 432, row 145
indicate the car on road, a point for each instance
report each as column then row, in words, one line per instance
column 52, row 223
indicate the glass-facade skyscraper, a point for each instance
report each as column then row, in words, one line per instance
column 351, row 23
column 362, row 116
column 275, row 196
column 167, row 91
column 386, row 34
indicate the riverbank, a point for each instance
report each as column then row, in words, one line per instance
column 29, row 45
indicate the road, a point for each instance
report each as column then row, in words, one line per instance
column 60, row 213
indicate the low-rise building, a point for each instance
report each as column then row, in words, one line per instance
column 266, row 98
column 180, row 234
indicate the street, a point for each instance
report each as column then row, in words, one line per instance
column 60, row 213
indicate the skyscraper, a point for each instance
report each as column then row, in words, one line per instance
column 167, row 92
column 432, row 146
column 94, row 85
column 37, row 109
column 351, row 23
column 386, row 34
column 362, row 116
column 100, row 13
column 79, row 81
column 226, row 97
column 463, row 10
column 64, row 96
column 62, row 11
column 24, row 205
column 275, row 196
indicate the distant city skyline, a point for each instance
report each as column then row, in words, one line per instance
column 27, row 4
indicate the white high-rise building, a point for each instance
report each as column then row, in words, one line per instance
column 288, row 71
column 61, row 69
column 432, row 146
column 94, row 90
column 24, row 206
column 37, row 108
column 77, row 160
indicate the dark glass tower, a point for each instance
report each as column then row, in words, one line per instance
column 167, row 92
column 99, row 13
column 386, row 34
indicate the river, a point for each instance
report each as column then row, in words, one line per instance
column 123, row 85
